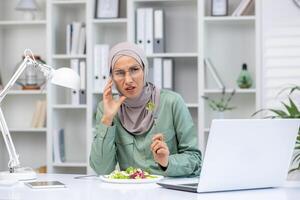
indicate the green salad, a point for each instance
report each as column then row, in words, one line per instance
column 131, row 173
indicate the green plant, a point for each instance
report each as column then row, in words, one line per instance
column 222, row 104
column 290, row 110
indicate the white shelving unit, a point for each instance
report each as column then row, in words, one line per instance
column 191, row 35
column 229, row 42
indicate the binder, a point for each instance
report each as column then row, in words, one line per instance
column 96, row 69
column 68, row 38
column 149, row 31
column 82, row 40
column 76, row 26
column 157, row 72
column 104, row 69
column 140, row 28
column 61, row 140
column 101, row 69
column 107, row 8
column 168, row 73
column 241, row 8
column 158, row 46
column 82, row 92
column 75, row 93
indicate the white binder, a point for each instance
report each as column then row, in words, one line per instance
column 159, row 46
column 104, row 69
column 75, row 93
column 96, row 68
column 168, row 73
column 157, row 72
column 107, row 9
column 76, row 26
column 82, row 92
column 149, row 31
column 140, row 27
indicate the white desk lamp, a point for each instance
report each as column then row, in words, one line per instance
column 65, row 77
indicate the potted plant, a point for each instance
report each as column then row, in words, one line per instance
column 220, row 105
column 290, row 110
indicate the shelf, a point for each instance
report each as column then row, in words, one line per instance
column 110, row 20
column 66, row 56
column 69, row 106
column 36, row 130
column 22, row 23
column 63, row 2
column 238, row 91
column 27, row 92
column 69, row 164
column 230, row 19
column 173, row 55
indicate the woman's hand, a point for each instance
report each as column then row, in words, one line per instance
column 111, row 106
column 160, row 150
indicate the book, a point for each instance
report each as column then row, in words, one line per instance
column 59, row 146
column 213, row 72
column 42, row 115
column 36, row 114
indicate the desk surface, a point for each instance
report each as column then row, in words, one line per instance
column 92, row 188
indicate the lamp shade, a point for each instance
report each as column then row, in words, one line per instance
column 26, row 5
column 66, row 77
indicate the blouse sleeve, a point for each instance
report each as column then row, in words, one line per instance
column 103, row 151
column 187, row 162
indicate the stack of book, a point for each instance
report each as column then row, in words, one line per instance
column 76, row 38
column 150, row 30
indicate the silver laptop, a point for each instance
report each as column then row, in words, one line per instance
column 244, row 154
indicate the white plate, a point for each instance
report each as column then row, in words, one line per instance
column 131, row 181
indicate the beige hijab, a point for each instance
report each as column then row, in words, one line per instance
column 134, row 114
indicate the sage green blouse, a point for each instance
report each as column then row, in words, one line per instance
column 113, row 144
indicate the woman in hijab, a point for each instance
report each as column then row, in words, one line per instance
column 145, row 127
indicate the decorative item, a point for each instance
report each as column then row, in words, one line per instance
column 29, row 7
column 32, row 79
column 291, row 111
column 65, row 77
column 220, row 105
column 244, row 80
column 219, row 7
column 297, row 2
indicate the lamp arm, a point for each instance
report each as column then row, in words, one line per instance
column 13, row 79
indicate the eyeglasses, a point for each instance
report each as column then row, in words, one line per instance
column 133, row 71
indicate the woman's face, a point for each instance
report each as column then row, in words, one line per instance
column 128, row 76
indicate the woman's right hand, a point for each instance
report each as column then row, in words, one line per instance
column 111, row 106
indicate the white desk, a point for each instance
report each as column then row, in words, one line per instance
column 93, row 188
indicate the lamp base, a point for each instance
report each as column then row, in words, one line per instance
column 20, row 174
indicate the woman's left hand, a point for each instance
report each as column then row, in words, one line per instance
column 160, row 150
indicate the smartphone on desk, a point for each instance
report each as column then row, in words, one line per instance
column 45, row 184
